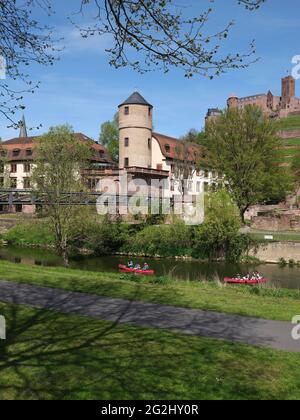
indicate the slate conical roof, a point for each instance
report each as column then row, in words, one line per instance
column 136, row 99
column 23, row 128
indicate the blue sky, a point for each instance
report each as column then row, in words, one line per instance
column 84, row 91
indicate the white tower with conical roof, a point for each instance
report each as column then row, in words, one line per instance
column 135, row 132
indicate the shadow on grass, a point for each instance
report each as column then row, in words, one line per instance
column 48, row 355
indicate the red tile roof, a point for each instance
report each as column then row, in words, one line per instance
column 171, row 148
column 27, row 143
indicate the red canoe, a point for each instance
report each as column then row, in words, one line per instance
column 235, row 281
column 125, row 269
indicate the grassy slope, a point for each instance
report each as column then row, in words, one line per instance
column 290, row 123
column 291, row 142
column 269, row 304
column 278, row 236
column 53, row 356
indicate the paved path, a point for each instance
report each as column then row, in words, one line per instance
column 252, row 331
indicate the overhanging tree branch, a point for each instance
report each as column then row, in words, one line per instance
column 147, row 35
column 23, row 41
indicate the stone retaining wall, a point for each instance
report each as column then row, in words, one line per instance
column 272, row 252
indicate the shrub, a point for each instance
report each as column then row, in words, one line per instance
column 33, row 232
column 165, row 240
column 100, row 235
column 282, row 262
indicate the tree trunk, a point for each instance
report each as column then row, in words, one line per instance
column 65, row 257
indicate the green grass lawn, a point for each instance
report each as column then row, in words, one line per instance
column 52, row 356
column 249, row 301
column 278, row 236
column 291, row 142
column 290, row 123
column 289, row 152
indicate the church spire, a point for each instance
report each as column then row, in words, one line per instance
column 23, row 128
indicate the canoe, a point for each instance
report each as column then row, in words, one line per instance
column 235, row 281
column 125, row 269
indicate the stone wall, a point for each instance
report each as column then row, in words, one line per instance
column 289, row 134
column 283, row 222
column 272, row 252
column 254, row 210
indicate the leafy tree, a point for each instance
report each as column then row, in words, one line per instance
column 163, row 240
column 219, row 237
column 191, row 136
column 201, row 138
column 243, row 145
column 109, row 137
column 4, row 169
column 221, row 226
column 60, row 157
column 296, row 173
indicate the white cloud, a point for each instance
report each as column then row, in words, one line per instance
column 73, row 43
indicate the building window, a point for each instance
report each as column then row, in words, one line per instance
column 1, row 182
column 172, row 169
column 13, row 168
column 26, row 183
column 167, row 148
column 126, row 162
column 126, row 110
column 126, row 141
column 206, row 174
column 27, row 167
column 1, row 168
column 19, row 208
column 149, row 111
column 198, row 188
column 28, row 152
column 206, row 186
column 159, row 167
column 16, row 152
column 149, row 143
column 13, row 182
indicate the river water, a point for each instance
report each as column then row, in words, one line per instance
column 185, row 270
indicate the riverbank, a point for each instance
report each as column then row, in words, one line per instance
column 175, row 241
column 259, row 302
column 274, row 252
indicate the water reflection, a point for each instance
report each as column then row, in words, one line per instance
column 186, row 270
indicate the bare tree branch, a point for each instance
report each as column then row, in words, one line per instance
column 23, row 41
column 149, row 35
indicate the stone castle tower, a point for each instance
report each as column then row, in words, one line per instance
column 232, row 101
column 288, row 91
column 272, row 106
column 135, row 132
